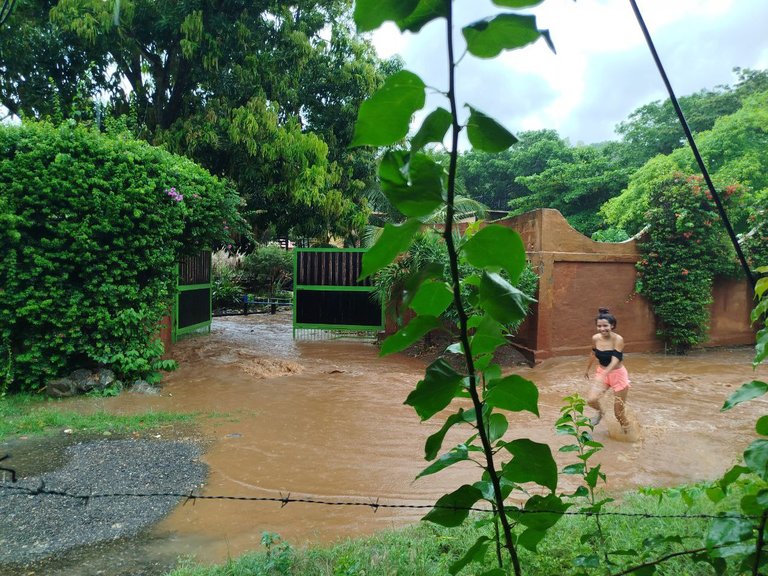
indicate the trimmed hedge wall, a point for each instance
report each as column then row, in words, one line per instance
column 92, row 226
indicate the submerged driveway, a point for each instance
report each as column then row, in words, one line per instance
column 324, row 420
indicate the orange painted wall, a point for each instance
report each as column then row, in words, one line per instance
column 577, row 276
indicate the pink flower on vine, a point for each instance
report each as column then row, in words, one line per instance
column 684, row 272
column 173, row 194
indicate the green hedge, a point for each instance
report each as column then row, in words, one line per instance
column 92, row 227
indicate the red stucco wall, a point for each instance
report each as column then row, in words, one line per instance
column 577, row 276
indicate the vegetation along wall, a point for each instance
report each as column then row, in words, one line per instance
column 578, row 275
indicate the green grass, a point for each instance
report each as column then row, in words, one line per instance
column 32, row 415
column 429, row 550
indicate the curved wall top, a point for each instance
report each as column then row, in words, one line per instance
column 546, row 230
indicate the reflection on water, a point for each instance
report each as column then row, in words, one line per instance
column 326, row 420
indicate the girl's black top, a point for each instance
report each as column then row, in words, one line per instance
column 604, row 356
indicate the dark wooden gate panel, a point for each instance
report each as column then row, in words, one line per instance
column 327, row 294
column 192, row 311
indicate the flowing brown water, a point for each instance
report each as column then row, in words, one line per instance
column 325, row 420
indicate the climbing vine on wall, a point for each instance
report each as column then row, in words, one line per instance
column 684, row 249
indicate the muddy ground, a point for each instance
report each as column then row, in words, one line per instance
column 324, row 419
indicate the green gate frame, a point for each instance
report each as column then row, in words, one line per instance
column 330, row 288
column 176, row 331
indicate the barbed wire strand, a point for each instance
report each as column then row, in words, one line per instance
column 374, row 504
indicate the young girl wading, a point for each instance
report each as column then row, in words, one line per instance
column 608, row 350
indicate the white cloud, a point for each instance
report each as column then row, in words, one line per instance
column 603, row 69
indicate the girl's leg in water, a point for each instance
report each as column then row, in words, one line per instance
column 619, row 408
column 593, row 400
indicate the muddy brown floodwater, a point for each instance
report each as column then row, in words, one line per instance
column 324, row 419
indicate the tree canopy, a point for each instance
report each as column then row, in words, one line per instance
column 262, row 92
column 734, row 151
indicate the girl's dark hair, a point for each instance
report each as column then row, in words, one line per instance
column 604, row 314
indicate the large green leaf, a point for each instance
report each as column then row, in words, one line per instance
column 409, row 334
column 539, row 515
column 748, row 391
column 416, row 277
column 487, row 337
column 435, row 392
column 432, row 298
column 732, row 475
column 421, row 191
column 393, row 170
column 395, row 238
column 532, row 462
column 385, row 117
column 487, row 38
column 497, row 426
column 433, row 129
column 761, row 426
column 370, row 14
column 435, row 441
column 457, row 454
column 476, row 553
column 513, row 393
column 452, row 509
column 756, row 458
column 425, row 12
column 504, row 302
column 426, row 182
column 542, row 512
column 487, row 135
column 729, row 536
column 495, row 247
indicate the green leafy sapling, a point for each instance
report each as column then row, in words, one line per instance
column 418, row 186
column 573, row 422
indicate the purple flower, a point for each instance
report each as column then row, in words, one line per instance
column 174, row 194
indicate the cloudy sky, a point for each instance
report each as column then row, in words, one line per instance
column 603, row 69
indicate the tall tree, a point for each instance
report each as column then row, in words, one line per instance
column 492, row 178
column 264, row 92
column 576, row 186
column 734, row 151
column 655, row 128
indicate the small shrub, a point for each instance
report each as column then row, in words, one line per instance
column 610, row 235
column 227, row 280
column 268, row 270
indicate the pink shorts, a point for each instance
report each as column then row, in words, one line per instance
column 616, row 379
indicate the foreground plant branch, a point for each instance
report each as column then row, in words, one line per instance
column 480, row 291
column 477, row 403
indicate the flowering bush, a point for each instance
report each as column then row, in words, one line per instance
column 92, row 227
column 754, row 242
column 684, row 249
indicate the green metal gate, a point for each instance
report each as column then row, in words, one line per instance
column 327, row 295
column 192, row 306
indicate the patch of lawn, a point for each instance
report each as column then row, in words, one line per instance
column 33, row 415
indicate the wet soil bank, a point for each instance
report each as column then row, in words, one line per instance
column 324, row 419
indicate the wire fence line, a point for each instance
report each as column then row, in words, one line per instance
column 375, row 504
